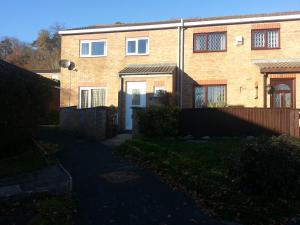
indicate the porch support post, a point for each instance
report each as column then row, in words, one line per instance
column 265, row 76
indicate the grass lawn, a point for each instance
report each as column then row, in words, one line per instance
column 202, row 169
column 26, row 162
column 42, row 210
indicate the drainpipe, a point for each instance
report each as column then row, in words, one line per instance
column 179, row 66
column 265, row 76
column 180, row 59
column 120, row 105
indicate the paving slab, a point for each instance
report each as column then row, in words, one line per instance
column 52, row 179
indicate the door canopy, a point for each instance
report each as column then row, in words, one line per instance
column 278, row 65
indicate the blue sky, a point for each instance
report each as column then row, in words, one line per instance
column 23, row 19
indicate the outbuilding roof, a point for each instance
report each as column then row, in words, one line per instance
column 9, row 71
column 46, row 71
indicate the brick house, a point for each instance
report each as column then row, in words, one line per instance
column 249, row 60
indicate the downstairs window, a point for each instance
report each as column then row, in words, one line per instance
column 210, row 96
column 92, row 97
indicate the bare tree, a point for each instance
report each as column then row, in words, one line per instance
column 15, row 51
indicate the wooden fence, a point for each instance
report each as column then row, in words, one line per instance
column 99, row 122
column 239, row 121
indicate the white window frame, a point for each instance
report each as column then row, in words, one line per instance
column 90, row 48
column 158, row 88
column 89, row 89
column 136, row 46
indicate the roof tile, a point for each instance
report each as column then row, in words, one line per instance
column 146, row 69
column 187, row 20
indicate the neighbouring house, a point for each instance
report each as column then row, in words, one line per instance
column 27, row 100
column 248, row 60
column 52, row 74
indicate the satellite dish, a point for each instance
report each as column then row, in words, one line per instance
column 64, row 63
column 71, row 66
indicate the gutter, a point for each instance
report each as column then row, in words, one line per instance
column 187, row 24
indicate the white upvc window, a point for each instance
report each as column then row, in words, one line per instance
column 158, row 90
column 92, row 97
column 93, row 48
column 137, row 46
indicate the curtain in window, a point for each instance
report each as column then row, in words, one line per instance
column 211, row 96
column 216, row 42
column 84, row 99
column 216, row 94
column 199, row 97
column 273, row 39
column 97, row 97
column 259, row 39
column 200, row 43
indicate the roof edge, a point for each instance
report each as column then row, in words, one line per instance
column 190, row 23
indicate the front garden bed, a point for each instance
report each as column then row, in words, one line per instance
column 202, row 168
column 26, row 162
column 41, row 210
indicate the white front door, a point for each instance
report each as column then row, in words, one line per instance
column 135, row 97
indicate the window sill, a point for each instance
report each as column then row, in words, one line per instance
column 93, row 56
column 137, row 54
column 209, row 51
column 254, row 49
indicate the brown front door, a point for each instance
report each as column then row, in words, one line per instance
column 283, row 93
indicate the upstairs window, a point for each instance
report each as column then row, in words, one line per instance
column 137, row 46
column 95, row 48
column 92, row 97
column 265, row 39
column 210, row 42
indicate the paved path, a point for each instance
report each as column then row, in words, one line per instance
column 109, row 190
column 52, row 179
column 117, row 140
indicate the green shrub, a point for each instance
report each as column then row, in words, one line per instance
column 50, row 117
column 158, row 121
column 270, row 167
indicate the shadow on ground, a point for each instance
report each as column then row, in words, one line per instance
column 110, row 190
